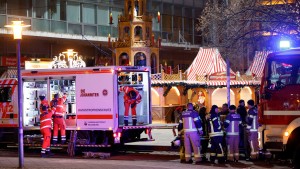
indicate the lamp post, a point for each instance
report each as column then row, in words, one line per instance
column 17, row 30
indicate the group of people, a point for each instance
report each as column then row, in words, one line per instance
column 224, row 130
column 48, row 113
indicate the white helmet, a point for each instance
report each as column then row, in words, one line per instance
column 177, row 142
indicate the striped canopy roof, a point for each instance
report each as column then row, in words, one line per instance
column 9, row 73
column 212, row 83
column 257, row 68
column 207, row 62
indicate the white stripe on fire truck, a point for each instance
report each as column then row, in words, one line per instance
column 281, row 113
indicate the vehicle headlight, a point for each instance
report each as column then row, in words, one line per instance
column 286, row 134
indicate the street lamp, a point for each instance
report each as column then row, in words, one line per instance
column 17, row 27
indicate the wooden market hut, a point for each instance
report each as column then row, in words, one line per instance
column 204, row 83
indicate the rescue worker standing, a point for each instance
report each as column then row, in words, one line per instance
column 58, row 118
column 241, row 110
column 190, row 123
column 216, row 135
column 45, row 126
column 232, row 123
column 205, row 137
column 252, row 126
column 131, row 98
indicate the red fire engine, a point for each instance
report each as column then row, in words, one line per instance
column 279, row 108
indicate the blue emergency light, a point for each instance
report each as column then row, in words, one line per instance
column 284, row 44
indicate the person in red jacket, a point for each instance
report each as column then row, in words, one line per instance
column 131, row 98
column 45, row 126
column 58, row 118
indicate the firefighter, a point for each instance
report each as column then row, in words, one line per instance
column 205, row 137
column 131, row 98
column 232, row 123
column 252, row 126
column 190, row 124
column 45, row 126
column 242, row 111
column 216, row 135
column 58, row 118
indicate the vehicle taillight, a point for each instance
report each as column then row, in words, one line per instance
column 118, row 134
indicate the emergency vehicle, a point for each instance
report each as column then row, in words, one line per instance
column 94, row 113
column 279, row 107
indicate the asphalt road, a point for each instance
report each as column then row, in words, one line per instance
column 129, row 159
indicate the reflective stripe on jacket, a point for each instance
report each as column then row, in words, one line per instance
column 190, row 122
column 252, row 120
column 232, row 122
column 214, row 124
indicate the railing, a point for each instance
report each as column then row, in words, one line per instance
column 165, row 76
column 182, row 40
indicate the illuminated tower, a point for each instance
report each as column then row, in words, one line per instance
column 136, row 45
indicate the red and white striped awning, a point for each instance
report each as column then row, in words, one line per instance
column 211, row 83
column 207, row 62
column 7, row 82
column 10, row 73
column 257, row 68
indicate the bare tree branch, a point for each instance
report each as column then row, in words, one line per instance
column 243, row 26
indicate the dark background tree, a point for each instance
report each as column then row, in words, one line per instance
column 241, row 27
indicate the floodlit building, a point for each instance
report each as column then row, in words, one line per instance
column 85, row 26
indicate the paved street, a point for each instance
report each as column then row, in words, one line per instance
column 161, row 157
column 128, row 160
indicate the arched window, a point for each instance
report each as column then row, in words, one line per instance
column 219, row 96
column 140, row 59
column 138, row 33
column 246, row 94
column 153, row 63
column 124, row 59
column 126, row 33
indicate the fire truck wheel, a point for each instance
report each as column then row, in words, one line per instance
column 296, row 157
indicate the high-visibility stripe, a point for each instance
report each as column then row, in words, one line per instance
column 232, row 133
column 281, row 113
column 190, row 123
column 216, row 134
column 254, row 123
column 103, row 116
column 211, row 126
column 45, row 120
column 48, row 126
column 56, row 113
column 189, row 130
column 221, row 150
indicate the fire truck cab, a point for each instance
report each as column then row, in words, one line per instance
column 94, row 110
column 279, row 107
